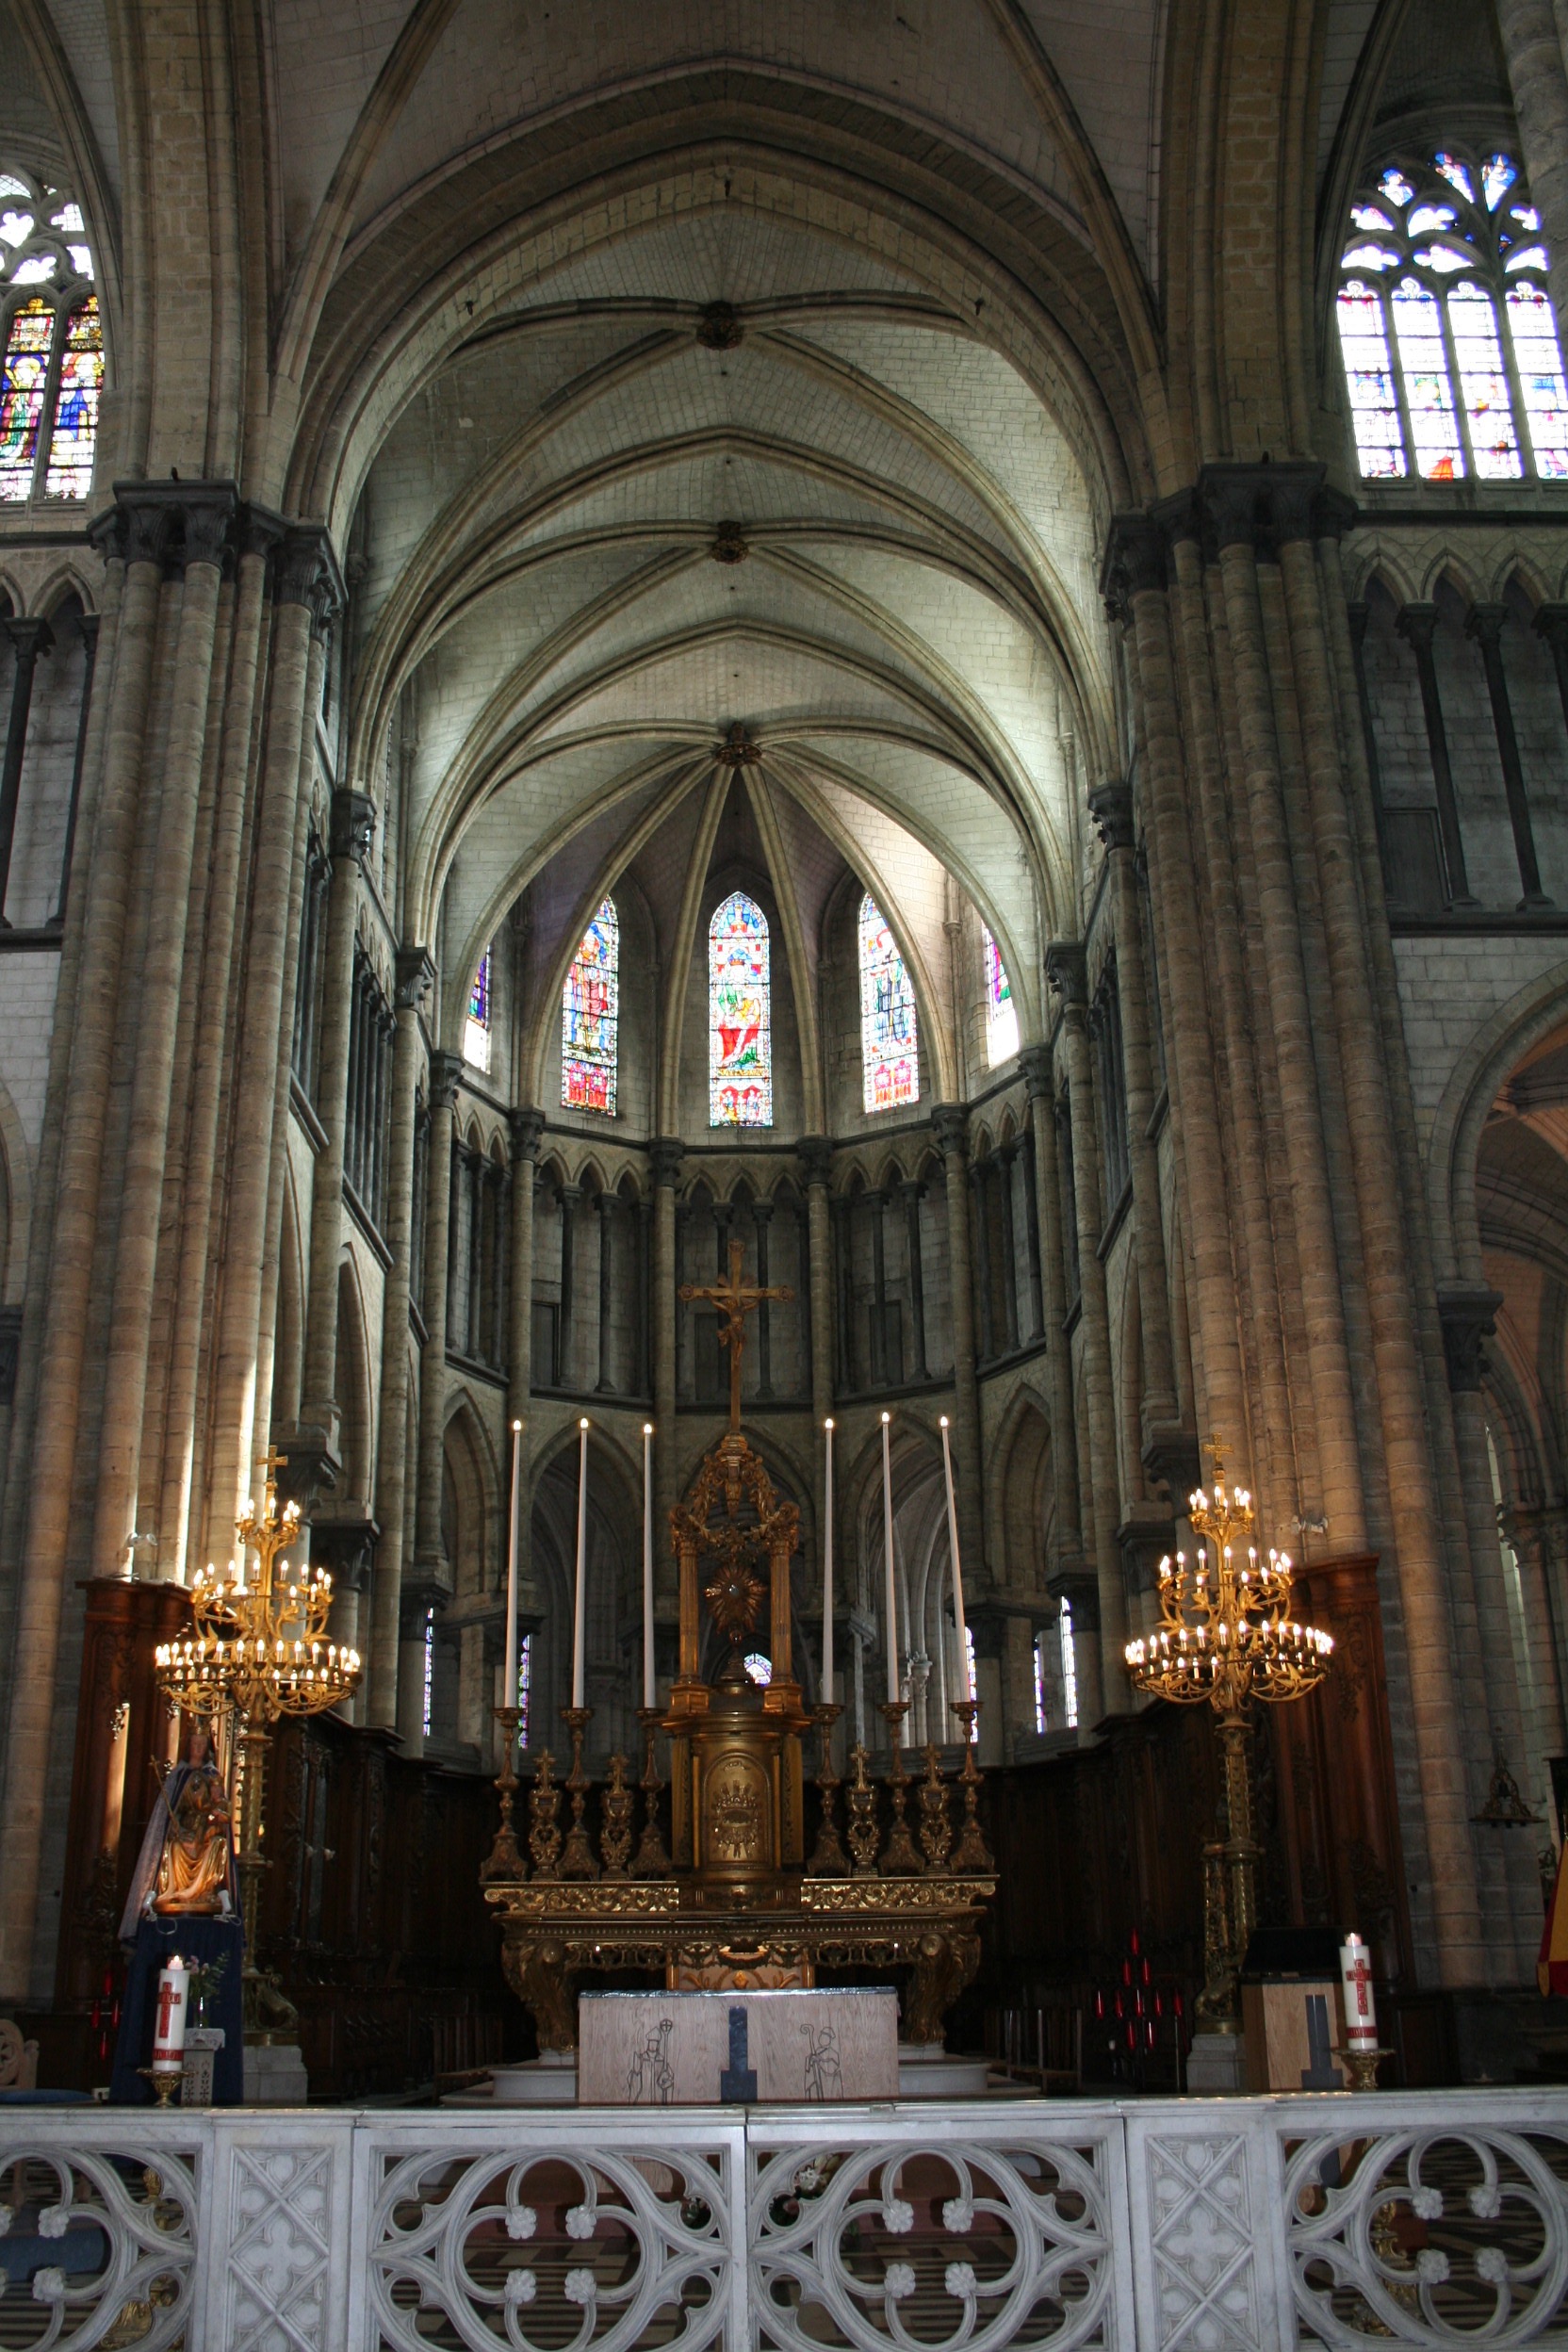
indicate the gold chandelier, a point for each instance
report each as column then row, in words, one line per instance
column 1227, row 1636
column 259, row 1652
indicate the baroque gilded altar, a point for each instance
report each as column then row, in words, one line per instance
column 733, row 1901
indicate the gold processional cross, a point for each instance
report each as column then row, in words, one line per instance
column 736, row 1300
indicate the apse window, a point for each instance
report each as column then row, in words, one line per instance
column 1001, row 1012
column 591, row 1017
column 1451, row 350
column 1070, row 1667
column 889, row 1040
column 51, row 342
column 740, row 1033
column 476, row 1029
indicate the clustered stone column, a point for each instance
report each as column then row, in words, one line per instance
column 950, row 1123
column 189, row 809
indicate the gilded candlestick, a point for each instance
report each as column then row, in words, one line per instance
column 899, row 1857
column 651, row 1860
column 504, row 1860
column 577, row 1855
column 829, row 1859
column 971, row 1856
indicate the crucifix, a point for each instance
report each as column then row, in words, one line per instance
column 735, row 1300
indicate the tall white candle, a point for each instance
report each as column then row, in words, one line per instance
column 1361, row 2010
column 169, row 2017
column 509, row 1688
column 577, row 1625
column 649, row 1685
column 826, row 1695
column 959, row 1626
column 893, row 1689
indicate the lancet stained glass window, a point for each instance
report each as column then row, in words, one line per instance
column 476, row 1029
column 1435, row 387
column 740, row 1033
column 1001, row 1012
column 889, row 1038
column 590, row 1017
column 51, row 342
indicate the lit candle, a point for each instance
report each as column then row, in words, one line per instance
column 826, row 1695
column 894, row 1690
column 959, row 1626
column 169, row 2017
column 509, row 1688
column 1360, row 2015
column 578, row 1680
column 649, row 1689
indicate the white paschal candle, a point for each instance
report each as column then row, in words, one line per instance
column 826, row 1695
column 579, row 1680
column 961, row 1627
column 509, row 1688
column 649, row 1685
column 169, row 2017
column 1355, row 1976
column 894, row 1690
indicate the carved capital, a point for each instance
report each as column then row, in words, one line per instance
column 307, row 573
column 1415, row 624
column 1081, row 1591
column 170, row 524
column 1134, row 564
column 949, row 1125
column 350, row 824
column 816, row 1158
column 1066, row 971
column 1111, row 807
column 1334, row 515
column 1034, row 1065
column 1469, row 1316
column 1551, row 622
column 665, row 1153
column 446, row 1073
column 1484, row 623
column 29, row 638
column 347, row 1549
column 527, row 1133
column 1173, row 1461
column 415, row 977
column 1246, row 505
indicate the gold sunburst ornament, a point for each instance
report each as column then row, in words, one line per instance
column 1227, row 1636
column 259, row 1651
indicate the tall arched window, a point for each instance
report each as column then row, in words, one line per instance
column 1001, row 1012
column 476, row 1029
column 740, row 1035
column 590, row 1017
column 1446, row 256
column 51, row 344
column 889, row 1040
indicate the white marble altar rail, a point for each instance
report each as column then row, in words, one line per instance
column 1435, row 2219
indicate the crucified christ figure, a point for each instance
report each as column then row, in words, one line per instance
column 735, row 1300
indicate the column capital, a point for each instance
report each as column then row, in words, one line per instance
column 949, row 1125
column 307, row 573
column 29, row 638
column 1038, row 1072
column 1416, row 622
column 1551, row 622
column 1468, row 1312
column 1111, row 807
column 1484, row 623
column 527, row 1133
column 665, row 1153
column 1134, row 563
column 1066, row 971
column 415, row 977
column 446, row 1072
column 170, row 524
column 1263, row 503
column 350, row 824
column 815, row 1154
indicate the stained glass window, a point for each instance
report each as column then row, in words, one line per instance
column 1533, row 333
column 1070, row 1666
column 75, row 434
column 889, row 1040
column 23, row 377
column 476, row 1029
column 1429, row 389
column 1001, row 1012
column 1451, row 405
column 740, row 1036
column 1369, row 376
column 590, row 1017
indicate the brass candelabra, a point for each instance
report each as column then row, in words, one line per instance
column 1227, row 1637
column 259, row 1652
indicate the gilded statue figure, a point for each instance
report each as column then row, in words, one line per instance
column 193, row 1871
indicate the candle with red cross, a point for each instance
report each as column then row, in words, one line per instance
column 169, row 2017
column 1361, row 2015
